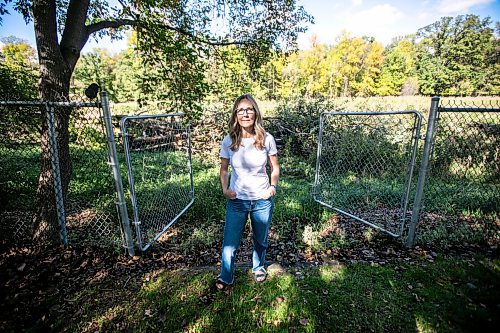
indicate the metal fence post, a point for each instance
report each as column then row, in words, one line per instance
column 56, row 174
column 318, row 155
column 113, row 162
column 429, row 138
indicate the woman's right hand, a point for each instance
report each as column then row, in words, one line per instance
column 228, row 193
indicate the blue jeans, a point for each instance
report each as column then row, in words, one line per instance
column 237, row 212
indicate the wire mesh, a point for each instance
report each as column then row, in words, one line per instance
column 20, row 155
column 158, row 154
column 464, row 175
column 85, row 204
column 91, row 212
column 364, row 166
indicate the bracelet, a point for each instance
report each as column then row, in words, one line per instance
column 275, row 187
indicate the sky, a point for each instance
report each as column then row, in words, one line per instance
column 387, row 19
column 383, row 20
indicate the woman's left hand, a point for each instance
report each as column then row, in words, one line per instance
column 270, row 192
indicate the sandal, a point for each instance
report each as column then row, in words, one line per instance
column 220, row 285
column 260, row 276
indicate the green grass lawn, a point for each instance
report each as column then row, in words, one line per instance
column 445, row 295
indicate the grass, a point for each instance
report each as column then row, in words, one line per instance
column 450, row 196
column 447, row 295
column 18, row 182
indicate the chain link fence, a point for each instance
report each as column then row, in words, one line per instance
column 465, row 167
column 54, row 156
column 92, row 216
column 158, row 157
column 462, row 178
column 20, row 158
column 364, row 167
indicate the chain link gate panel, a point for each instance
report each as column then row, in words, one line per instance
column 158, row 155
column 364, row 166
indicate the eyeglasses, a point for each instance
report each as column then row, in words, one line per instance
column 249, row 111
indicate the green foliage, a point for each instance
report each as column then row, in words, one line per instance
column 121, row 75
column 17, row 181
column 229, row 74
column 99, row 67
column 348, row 68
column 18, row 54
column 398, row 68
column 18, row 72
column 175, row 58
column 195, row 73
column 177, row 62
column 128, row 74
column 178, row 81
column 453, row 55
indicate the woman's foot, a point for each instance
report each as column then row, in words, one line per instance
column 220, row 285
column 260, row 276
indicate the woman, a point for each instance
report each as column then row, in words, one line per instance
column 248, row 149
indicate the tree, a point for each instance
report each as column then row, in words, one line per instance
column 129, row 71
column 398, row 68
column 353, row 63
column 173, row 35
column 229, row 74
column 364, row 84
column 18, row 69
column 453, row 54
column 491, row 80
column 312, row 67
column 20, row 53
column 99, row 67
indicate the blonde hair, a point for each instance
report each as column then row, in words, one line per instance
column 235, row 128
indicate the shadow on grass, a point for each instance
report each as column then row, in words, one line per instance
column 446, row 295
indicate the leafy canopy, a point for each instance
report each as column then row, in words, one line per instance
column 175, row 38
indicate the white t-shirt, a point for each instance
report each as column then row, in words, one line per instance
column 248, row 164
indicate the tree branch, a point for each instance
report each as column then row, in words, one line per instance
column 110, row 24
column 203, row 40
column 71, row 39
column 130, row 22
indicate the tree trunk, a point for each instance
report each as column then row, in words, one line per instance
column 55, row 75
column 46, row 225
column 346, row 87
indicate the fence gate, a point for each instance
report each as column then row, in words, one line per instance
column 158, row 155
column 364, row 166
